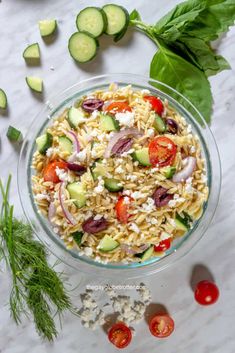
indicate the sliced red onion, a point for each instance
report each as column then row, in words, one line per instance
column 76, row 144
column 118, row 136
column 66, row 212
column 51, row 212
column 134, row 250
column 89, row 105
column 187, row 171
column 77, row 168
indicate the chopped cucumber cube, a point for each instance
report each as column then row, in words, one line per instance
column 78, row 193
column 75, row 117
column 44, row 142
column 32, row 52
column 142, row 156
column 107, row 244
column 77, row 237
column 3, row 99
column 47, row 27
column 14, row 134
column 35, row 83
column 65, row 144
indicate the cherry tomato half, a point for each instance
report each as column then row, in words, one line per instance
column 161, row 325
column 122, row 207
column 162, row 151
column 118, row 107
column 156, row 104
column 49, row 173
column 206, row 293
column 164, row 245
column 120, row 335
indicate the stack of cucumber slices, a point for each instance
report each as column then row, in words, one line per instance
column 91, row 23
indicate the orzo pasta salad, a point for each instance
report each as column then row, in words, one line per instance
column 120, row 175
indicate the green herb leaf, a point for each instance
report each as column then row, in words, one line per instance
column 170, row 68
column 213, row 21
column 200, row 54
column 135, row 16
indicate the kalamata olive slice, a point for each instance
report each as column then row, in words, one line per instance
column 172, row 126
column 77, row 168
column 161, row 197
column 93, row 226
column 92, row 104
column 122, row 146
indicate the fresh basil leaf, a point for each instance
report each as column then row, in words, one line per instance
column 135, row 16
column 213, row 21
column 173, row 70
column 177, row 19
column 201, row 55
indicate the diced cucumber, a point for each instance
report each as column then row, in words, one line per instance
column 142, row 156
column 47, row 27
column 98, row 169
column 118, row 20
column 183, row 223
column 77, row 237
column 75, row 117
column 78, row 193
column 82, row 46
column 92, row 20
column 169, row 172
column 108, row 123
column 32, row 52
column 112, row 185
column 107, row 244
column 14, row 134
column 3, row 99
column 44, row 142
column 35, row 83
column 146, row 254
column 159, row 124
column 65, row 144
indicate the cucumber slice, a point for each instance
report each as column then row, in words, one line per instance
column 107, row 244
column 113, row 185
column 159, row 124
column 47, row 27
column 32, row 52
column 75, row 117
column 92, row 20
column 14, row 134
column 142, row 156
column 108, row 123
column 98, row 169
column 146, row 254
column 183, row 223
column 77, row 192
column 35, row 83
column 44, row 142
column 65, row 144
column 169, row 172
column 82, row 46
column 77, row 237
column 3, row 99
column 118, row 20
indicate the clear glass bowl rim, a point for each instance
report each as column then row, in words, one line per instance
column 107, row 270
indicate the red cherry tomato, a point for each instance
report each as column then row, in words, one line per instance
column 206, row 293
column 161, row 325
column 120, row 335
column 118, row 107
column 49, row 173
column 162, row 151
column 164, row 245
column 122, row 208
column 156, row 104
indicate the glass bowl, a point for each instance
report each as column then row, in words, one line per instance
column 40, row 224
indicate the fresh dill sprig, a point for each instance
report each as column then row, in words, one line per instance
column 36, row 288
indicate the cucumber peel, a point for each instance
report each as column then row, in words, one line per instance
column 3, row 99
column 14, row 134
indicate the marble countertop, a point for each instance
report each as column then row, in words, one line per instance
column 198, row 329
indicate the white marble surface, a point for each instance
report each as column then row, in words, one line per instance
column 198, row 330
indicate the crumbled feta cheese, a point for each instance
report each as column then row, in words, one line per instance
column 132, row 177
column 138, row 195
column 172, row 222
column 126, row 119
column 150, row 132
column 136, row 163
column 134, row 227
column 97, row 217
column 100, row 187
column 119, row 170
column 88, row 251
column 177, row 200
column 204, row 178
column 125, row 154
column 189, row 128
column 42, row 196
column 51, row 150
column 63, row 175
column 127, row 192
column 169, row 146
column 149, row 205
column 192, row 149
column 81, row 156
column 145, row 91
column 94, row 132
column 164, row 236
column 95, row 114
column 126, row 200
